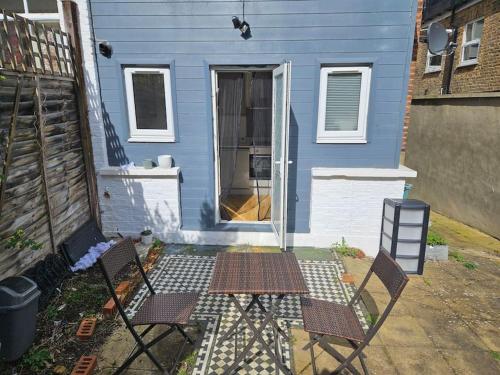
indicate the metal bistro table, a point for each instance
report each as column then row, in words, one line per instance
column 257, row 274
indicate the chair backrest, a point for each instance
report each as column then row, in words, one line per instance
column 394, row 279
column 117, row 257
column 390, row 273
column 112, row 262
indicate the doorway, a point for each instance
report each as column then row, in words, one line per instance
column 251, row 114
column 244, row 134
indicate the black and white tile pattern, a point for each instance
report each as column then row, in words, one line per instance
column 182, row 273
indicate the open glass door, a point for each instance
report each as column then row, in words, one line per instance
column 281, row 121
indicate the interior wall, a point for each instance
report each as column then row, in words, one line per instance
column 242, row 184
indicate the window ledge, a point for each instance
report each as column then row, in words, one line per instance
column 467, row 63
column 340, row 140
column 140, row 172
column 401, row 172
column 430, row 71
column 150, row 139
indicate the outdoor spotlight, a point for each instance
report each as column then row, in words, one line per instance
column 245, row 30
column 236, row 22
column 105, row 49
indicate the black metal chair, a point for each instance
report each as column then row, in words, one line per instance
column 172, row 309
column 323, row 318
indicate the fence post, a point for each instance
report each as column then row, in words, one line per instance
column 10, row 140
column 43, row 161
column 71, row 20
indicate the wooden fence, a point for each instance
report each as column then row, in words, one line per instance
column 47, row 184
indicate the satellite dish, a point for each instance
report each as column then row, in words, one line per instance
column 437, row 39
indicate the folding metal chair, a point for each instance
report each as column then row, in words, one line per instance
column 172, row 309
column 323, row 318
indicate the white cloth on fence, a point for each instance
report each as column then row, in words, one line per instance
column 91, row 256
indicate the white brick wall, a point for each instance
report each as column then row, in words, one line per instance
column 92, row 85
column 343, row 204
column 139, row 202
column 350, row 208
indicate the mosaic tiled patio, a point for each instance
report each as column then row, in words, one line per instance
column 182, row 273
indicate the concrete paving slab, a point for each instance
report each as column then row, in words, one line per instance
column 466, row 362
column 451, row 334
column 419, row 361
column 404, row 331
column 488, row 333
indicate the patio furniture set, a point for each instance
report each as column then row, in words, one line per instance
column 258, row 275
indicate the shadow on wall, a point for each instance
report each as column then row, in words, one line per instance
column 293, row 154
column 132, row 205
column 207, row 216
column 115, row 150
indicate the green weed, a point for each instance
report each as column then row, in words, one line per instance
column 187, row 365
column 372, row 319
column 51, row 312
column 36, row 359
column 434, row 239
column 455, row 255
column 495, row 355
column 427, row 282
column 470, row 265
column 157, row 243
column 460, row 259
column 344, row 249
column 18, row 240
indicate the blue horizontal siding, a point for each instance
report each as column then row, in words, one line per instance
column 191, row 35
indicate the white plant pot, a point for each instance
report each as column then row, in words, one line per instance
column 147, row 239
column 165, row 161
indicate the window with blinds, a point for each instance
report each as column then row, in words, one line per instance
column 343, row 106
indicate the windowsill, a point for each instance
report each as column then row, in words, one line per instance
column 151, row 139
column 430, row 71
column 401, row 172
column 140, row 172
column 340, row 140
column 467, row 63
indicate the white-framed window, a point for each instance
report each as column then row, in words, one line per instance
column 149, row 104
column 343, row 104
column 471, row 42
column 45, row 11
column 433, row 63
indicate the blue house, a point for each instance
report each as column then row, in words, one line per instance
column 267, row 122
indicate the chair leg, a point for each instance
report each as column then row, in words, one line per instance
column 344, row 362
column 361, row 357
column 312, row 341
column 142, row 347
column 183, row 333
column 156, row 362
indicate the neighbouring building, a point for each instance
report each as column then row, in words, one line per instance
column 284, row 121
column 454, row 131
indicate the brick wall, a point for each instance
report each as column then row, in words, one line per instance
column 482, row 77
column 413, row 67
column 350, row 207
column 143, row 199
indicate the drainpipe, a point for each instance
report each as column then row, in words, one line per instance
column 448, row 73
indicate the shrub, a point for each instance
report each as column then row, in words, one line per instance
column 344, row 249
column 434, row 239
column 36, row 359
